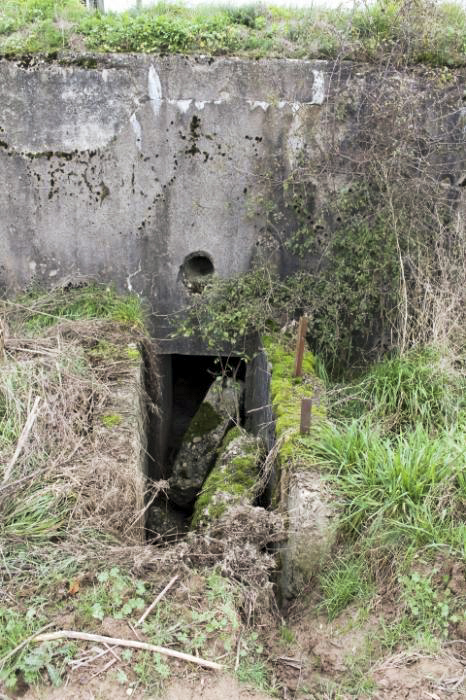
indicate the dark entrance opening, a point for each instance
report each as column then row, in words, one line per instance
column 196, row 270
column 184, row 383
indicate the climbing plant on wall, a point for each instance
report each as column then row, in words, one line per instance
column 373, row 225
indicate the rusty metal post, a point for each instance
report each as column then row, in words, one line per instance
column 2, row 339
column 300, row 342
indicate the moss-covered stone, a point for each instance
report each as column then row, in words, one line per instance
column 232, row 480
column 202, row 441
column 205, row 420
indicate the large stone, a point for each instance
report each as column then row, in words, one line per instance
column 198, row 451
column 233, row 479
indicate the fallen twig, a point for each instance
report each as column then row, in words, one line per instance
column 238, row 650
column 157, row 600
column 292, row 663
column 130, row 643
column 104, row 668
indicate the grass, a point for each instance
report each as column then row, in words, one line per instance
column 413, row 32
column 36, row 310
column 395, row 454
column 404, row 481
column 422, row 387
column 348, row 579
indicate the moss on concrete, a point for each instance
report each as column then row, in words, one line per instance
column 205, row 420
column 287, row 391
column 232, row 479
column 297, row 491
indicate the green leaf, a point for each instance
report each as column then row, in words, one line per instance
column 98, row 612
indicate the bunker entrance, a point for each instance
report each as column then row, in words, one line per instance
column 200, row 397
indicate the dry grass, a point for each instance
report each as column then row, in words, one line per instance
column 74, row 500
column 74, row 483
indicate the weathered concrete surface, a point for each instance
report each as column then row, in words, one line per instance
column 121, row 171
column 311, row 530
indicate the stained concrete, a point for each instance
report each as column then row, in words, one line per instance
column 120, row 167
column 122, row 170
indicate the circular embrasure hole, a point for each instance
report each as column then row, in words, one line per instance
column 195, row 271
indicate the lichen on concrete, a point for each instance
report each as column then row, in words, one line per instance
column 232, row 480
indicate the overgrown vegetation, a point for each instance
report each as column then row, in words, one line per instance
column 396, row 453
column 72, row 503
column 372, row 227
column 419, row 32
column 37, row 310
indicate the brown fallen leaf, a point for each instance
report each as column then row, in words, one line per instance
column 74, row 586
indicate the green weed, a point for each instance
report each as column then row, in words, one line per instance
column 30, row 663
column 431, row 610
column 114, row 595
column 286, row 634
column 345, row 581
column 409, row 30
column 255, row 673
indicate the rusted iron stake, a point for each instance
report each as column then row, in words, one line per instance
column 298, row 365
column 306, row 414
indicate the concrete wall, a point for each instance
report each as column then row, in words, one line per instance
column 122, row 169
column 118, row 167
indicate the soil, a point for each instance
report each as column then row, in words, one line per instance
column 206, row 687
column 322, row 653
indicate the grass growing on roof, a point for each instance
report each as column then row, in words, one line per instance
column 37, row 310
column 412, row 32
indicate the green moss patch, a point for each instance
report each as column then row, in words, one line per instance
column 232, row 479
column 287, row 391
column 205, row 420
column 111, row 420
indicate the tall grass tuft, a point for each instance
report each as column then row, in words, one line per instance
column 410, row 482
column 421, row 387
